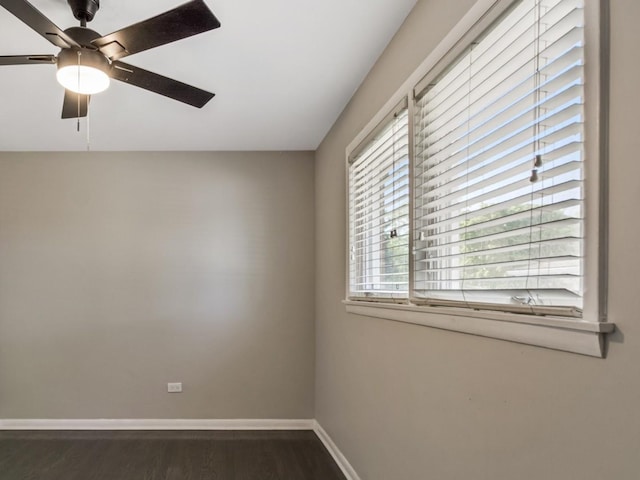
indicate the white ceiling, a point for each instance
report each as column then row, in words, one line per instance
column 282, row 71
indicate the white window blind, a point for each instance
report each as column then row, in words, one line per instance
column 379, row 211
column 499, row 167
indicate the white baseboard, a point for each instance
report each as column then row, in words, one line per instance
column 157, row 424
column 335, row 452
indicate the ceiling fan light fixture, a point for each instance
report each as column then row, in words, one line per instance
column 83, row 72
column 88, row 61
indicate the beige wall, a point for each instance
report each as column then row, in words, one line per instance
column 406, row 402
column 122, row 272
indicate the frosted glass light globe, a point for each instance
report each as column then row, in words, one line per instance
column 83, row 79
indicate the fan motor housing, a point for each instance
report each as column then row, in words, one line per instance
column 84, row 9
column 83, row 35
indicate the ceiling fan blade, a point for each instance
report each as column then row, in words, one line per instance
column 38, row 22
column 159, row 84
column 75, row 105
column 27, row 59
column 184, row 21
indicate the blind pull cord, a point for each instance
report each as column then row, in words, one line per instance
column 532, row 299
column 394, row 230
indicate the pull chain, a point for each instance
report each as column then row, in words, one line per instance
column 78, row 95
column 88, row 127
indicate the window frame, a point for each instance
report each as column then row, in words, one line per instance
column 586, row 335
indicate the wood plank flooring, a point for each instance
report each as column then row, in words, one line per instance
column 160, row 455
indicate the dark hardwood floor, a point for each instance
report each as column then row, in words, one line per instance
column 206, row 455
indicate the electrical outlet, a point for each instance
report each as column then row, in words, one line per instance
column 174, row 387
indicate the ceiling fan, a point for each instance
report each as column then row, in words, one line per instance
column 87, row 60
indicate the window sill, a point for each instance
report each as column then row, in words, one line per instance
column 577, row 336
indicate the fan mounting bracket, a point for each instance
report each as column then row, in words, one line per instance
column 84, row 10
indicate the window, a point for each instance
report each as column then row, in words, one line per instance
column 478, row 195
column 379, row 211
column 499, row 167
